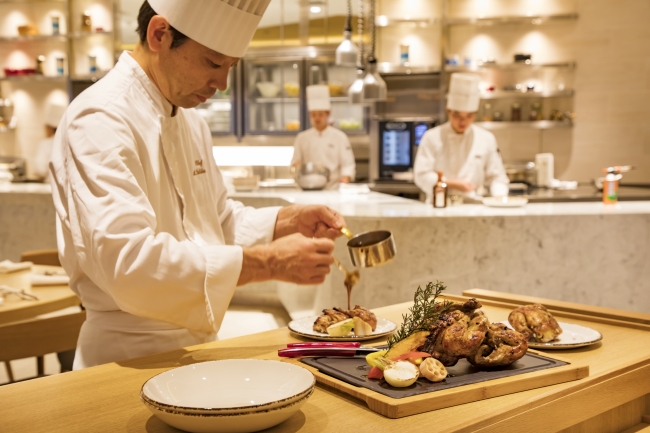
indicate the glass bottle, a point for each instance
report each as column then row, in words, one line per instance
column 86, row 22
column 440, row 193
column 515, row 115
column 487, row 113
column 56, row 28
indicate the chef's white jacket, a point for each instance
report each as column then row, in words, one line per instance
column 330, row 148
column 472, row 156
column 151, row 243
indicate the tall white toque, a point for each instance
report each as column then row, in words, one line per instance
column 225, row 26
column 318, row 98
column 464, row 94
column 54, row 114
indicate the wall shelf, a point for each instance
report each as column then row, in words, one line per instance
column 384, row 21
column 510, row 66
column 500, row 94
column 81, row 35
column 539, row 124
column 386, row 68
column 275, row 100
column 511, row 20
column 35, row 78
column 57, row 38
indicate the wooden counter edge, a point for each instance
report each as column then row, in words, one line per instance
column 568, row 307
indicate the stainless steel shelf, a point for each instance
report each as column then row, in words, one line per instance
column 539, row 124
column 510, row 20
column 527, row 95
column 275, row 100
column 507, row 66
column 386, row 68
column 36, row 78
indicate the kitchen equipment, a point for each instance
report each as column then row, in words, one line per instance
column 521, row 172
column 268, row 89
column 545, row 167
column 14, row 165
column 464, row 384
column 399, row 140
column 369, row 249
column 310, row 176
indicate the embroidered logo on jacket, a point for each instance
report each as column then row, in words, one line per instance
column 199, row 167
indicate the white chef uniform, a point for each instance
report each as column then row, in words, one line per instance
column 472, row 156
column 53, row 115
column 151, row 243
column 330, row 147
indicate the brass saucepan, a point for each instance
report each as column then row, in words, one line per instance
column 369, row 249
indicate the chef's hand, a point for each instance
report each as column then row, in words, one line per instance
column 312, row 221
column 293, row 258
column 460, row 185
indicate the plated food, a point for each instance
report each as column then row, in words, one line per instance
column 338, row 324
column 446, row 332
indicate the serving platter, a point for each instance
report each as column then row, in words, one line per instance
column 304, row 328
column 557, row 370
column 572, row 336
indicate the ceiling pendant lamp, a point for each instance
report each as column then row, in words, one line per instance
column 355, row 92
column 374, row 87
column 347, row 52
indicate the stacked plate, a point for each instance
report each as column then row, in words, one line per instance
column 234, row 395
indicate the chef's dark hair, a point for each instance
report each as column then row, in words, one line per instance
column 144, row 17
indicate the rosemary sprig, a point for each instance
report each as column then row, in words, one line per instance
column 423, row 314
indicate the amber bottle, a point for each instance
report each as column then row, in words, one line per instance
column 440, row 193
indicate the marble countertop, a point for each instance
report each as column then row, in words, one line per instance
column 376, row 204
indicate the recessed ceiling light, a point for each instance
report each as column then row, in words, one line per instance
column 315, row 9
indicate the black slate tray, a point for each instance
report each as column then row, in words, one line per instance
column 355, row 371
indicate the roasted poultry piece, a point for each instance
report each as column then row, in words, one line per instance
column 458, row 333
column 363, row 314
column 329, row 317
column 534, row 321
column 332, row 316
column 502, row 346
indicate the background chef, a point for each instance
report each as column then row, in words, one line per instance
column 151, row 243
column 323, row 144
column 467, row 154
column 53, row 114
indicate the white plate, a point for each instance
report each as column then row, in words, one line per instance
column 228, row 423
column 304, row 327
column 228, row 386
column 572, row 336
column 505, row 201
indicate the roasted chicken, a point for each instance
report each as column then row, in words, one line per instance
column 458, row 333
column 502, row 346
column 535, row 322
column 330, row 317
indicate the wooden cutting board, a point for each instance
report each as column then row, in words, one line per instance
column 398, row 408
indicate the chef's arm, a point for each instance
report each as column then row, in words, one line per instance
column 424, row 173
column 495, row 173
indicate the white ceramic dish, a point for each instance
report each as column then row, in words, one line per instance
column 231, row 385
column 304, row 327
column 572, row 336
column 228, row 423
column 505, row 201
column 268, row 89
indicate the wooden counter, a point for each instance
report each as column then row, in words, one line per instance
column 615, row 396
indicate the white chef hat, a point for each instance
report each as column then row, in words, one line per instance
column 464, row 94
column 318, row 98
column 53, row 114
column 225, row 26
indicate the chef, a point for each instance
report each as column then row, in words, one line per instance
column 466, row 154
column 53, row 114
column 323, row 144
column 152, row 246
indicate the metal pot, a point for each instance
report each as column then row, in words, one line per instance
column 522, row 172
column 14, row 165
column 310, row 176
column 369, row 249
